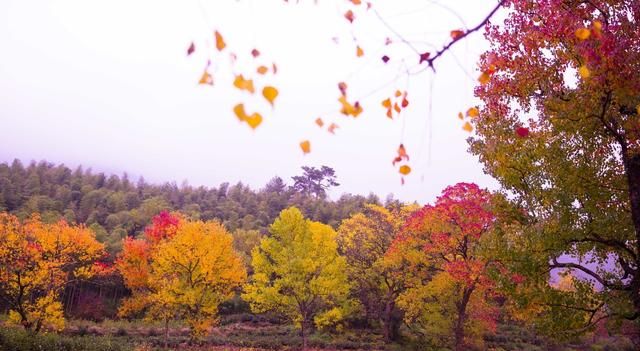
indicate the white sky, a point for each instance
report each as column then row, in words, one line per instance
column 107, row 84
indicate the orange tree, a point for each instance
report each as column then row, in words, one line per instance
column 37, row 262
column 180, row 269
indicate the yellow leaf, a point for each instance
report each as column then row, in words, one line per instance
column 254, row 120
column 349, row 109
column 583, row 33
column 220, row 44
column 404, row 169
column 206, row 78
column 270, row 93
column 484, row 78
column 305, row 146
column 239, row 111
column 638, row 110
column 473, row 112
column 359, row 51
column 584, row 72
column 467, row 127
column 244, row 84
column 262, row 70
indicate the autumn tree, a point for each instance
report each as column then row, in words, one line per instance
column 299, row 273
column 364, row 239
column 558, row 128
column 37, row 262
column 449, row 290
column 180, row 269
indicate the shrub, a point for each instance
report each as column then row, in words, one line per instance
column 15, row 339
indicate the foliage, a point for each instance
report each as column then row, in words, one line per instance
column 559, row 131
column 450, row 291
column 186, row 273
column 298, row 272
column 363, row 239
column 19, row 340
column 37, row 262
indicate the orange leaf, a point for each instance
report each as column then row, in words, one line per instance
column 356, row 2
column 359, row 51
column 319, row 122
column 402, row 155
column 240, row 113
column 484, row 78
column 262, row 70
column 583, row 33
column 206, row 78
column 386, row 103
column 584, row 72
column 467, row 127
column 220, row 44
column 305, row 146
column 404, row 170
column 398, row 93
column 332, row 128
column 254, row 120
column 389, row 113
column 473, row 112
column 396, row 107
column 244, row 84
column 460, row 115
column 455, row 34
column 270, row 93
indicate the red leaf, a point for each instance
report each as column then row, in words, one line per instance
column 522, row 132
column 424, row 57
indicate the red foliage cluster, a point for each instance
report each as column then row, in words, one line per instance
column 163, row 226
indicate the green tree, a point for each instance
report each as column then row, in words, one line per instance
column 298, row 273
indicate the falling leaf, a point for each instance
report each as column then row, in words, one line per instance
column 356, row 2
column 220, row 44
column 305, row 146
column 584, row 72
column 405, row 102
column 460, row 115
column 522, row 132
column 349, row 109
column 386, row 103
column 270, row 93
column 274, row 67
column 191, row 49
column 467, row 127
column 262, row 70
column 359, row 51
column 239, row 111
column 254, row 120
column 319, row 122
column 332, row 128
column 456, row 34
column 342, row 86
column 385, row 58
column 244, row 84
column 404, row 170
column 255, row 53
column 349, row 16
column 402, row 155
column 583, row 33
column 390, row 113
column 398, row 93
column 597, row 28
column 396, row 107
column 473, row 112
column 484, row 78
column 387, row 41
column 206, row 78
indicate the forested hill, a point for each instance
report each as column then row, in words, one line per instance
column 116, row 206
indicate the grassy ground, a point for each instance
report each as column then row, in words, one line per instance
column 248, row 332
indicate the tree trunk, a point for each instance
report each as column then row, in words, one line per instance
column 304, row 333
column 387, row 321
column 462, row 317
column 633, row 179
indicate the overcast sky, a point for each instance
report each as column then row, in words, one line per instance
column 107, row 84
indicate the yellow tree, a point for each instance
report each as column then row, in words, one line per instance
column 363, row 239
column 37, row 261
column 185, row 274
column 298, row 273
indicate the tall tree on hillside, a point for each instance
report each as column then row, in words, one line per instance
column 559, row 130
column 315, row 181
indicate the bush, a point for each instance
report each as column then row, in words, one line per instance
column 14, row 339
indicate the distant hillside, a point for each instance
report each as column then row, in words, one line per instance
column 116, row 206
